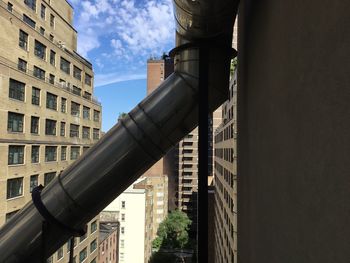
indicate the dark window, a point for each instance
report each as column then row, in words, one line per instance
column 31, row 4
column 96, row 115
column 50, row 153
column 82, row 255
column 39, row 73
column 51, row 37
column 52, row 57
column 50, row 127
column 87, row 95
column 63, row 105
column 42, row 31
column 52, row 79
column 93, row 245
column 22, row 65
column 9, row 6
column 34, row 182
column 123, row 204
column 52, row 20
column 75, row 109
column 60, row 253
column 93, row 226
column 86, row 112
column 15, row 122
column 48, row 177
column 74, row 152
column 35, row 96
column 14, row 187
column 65, row 65
column 43, row 11
column 86, row 132
column 29, row 21
column 63, row 153
column 39, row 49
column 34, row 125
column 16, row 154
column 35, row 154
column 76, row 90
column 74, row 130
column 23, row 39
column 87, row 79
column 51, row 101
column 16, row 90
column 96, row 134
column 77, row 72
column 63, row 129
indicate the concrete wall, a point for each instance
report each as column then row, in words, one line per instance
column 294, row 131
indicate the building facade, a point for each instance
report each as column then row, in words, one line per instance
column 46, row 104
column 108, row 242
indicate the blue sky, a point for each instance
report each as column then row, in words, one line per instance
column 117, row 37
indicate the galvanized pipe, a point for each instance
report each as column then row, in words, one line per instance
column 135, row 143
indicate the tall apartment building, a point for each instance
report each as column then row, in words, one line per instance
column 46, row 104
column 225, row 181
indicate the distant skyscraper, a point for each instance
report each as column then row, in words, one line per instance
column 49, row 117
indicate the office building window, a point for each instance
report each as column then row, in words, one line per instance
column 14, row 187
column 86, row 112
column 63, row 105
column 34, row 125
column 75, row 109
column 51, row 37
column 39, row 49
column 60, row 253
column 39, row 73
column 86, row 132
column 31, row 4
column 74, row 130
column 87, row 95
column 96, row 115
column 23, row 39
column 122, row 230
column 87, row 79
column 22, row 65
column 63, row 129
column 50, row 153
column 35, row 154
column 93, row 226
column 52, row 20
column 63, row 153
column 16, row 90
column 42, row 31
column 123, row 217
column 52, row 57
column 82, row 255
column 74, row 152
column 123, row 204
column 29, row 21
column 77, row 73
column 43, row 11
column 51, row 101
column 15, row 122
column 52, row 79
column 16, row 154
column 48, row 177
column 50, row 127
column 96, row 134
column 9, row 6
column 76, row 90
column 93, row 246
column 65, row 65
column 34, row 182
column 35, row 96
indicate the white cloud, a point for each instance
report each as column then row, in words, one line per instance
column 109, row 78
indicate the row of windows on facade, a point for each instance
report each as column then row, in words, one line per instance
column 225, row 173
column 225, row 134
column 15, row 123
column 16, row 153
column 223, row 243
column 17, row 92
column 32, row 5
column 40, row 51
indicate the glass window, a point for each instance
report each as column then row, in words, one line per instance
column 31, row 4
column 39, row 49
column 63, row 105
column 52, row 20
column 96, row 134
column 60, row 253
column 29, row 21
column 82, row 255
column 48, row 177
column 122, row 230
column 74, row 152
column 87, row 95
column 34, row 182
column 123, row 217
column 52, row 57
column 22, row 65
column 93, row 246
column 23, row 39
column 93, row 226
column 52, row 79
column 63, row 153
column 86, row 112
column 123, row 204
column 50, row 153
column 86, row 132
column 16, row 90
column 15, row 122
column 16, row 154
column 9, row 6
column 42, row 31
column 43, row 11
column 77, row 73
column 76, row 90
column 75, row 109
column 87, row 79
column 51, row 101
column 34, row 125
column 14, row 187
column 65, row 65
column 74, row 130
column 39, row 73
column 50, row 127
column 63, row 129
column 35, row 154
column 96, row 115
column 35, row 96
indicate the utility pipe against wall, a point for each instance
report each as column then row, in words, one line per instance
column 135, row 143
